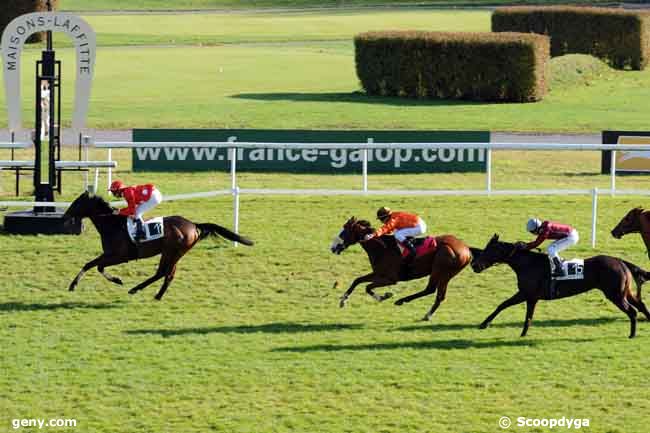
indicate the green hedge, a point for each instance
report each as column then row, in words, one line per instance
column 620, row 37
column 11, row 9
column 474, row 66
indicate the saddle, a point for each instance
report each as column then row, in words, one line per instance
column 573, row 270
column 153, row 229
column 422, row 246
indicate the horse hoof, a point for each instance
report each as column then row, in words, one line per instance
column 483, row 326
column 118, row 281
column 342, row 303
column 71, row 289
column 426, row 318
column 157, row 298
column 387, row 295
column 399, row 302
column 132, row 292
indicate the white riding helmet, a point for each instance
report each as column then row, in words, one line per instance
column 533, row 225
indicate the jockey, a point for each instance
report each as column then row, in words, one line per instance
column 140, row 199
column 563, row 234
column 404, row 226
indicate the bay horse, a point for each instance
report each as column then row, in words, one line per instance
column 611, row 275
column 637, row 220
column 440, row 265
column 180, row 235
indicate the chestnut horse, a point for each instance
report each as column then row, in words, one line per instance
column 611, row 275
column 441, row 265
column 180, row 236
column 636, row 220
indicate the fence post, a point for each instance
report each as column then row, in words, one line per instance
column 594, row 215
column 488, row 164
column 109, row 175
column 612, row 167
column 232, row 154
column 236, row 212
column 364, row 167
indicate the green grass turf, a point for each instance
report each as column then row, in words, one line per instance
column 252, row 339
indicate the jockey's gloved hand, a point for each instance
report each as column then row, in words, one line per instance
column 368, row 237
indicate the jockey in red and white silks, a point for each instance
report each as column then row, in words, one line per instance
column 564, row 235
column 139, row 198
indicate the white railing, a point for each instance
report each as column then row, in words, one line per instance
column 235, row 191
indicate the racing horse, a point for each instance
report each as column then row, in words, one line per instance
column 637, row 220
column 440, row 264
column 613, row 276
column 180, row 235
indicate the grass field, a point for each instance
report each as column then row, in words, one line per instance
column 252, row 339
column 297, row 71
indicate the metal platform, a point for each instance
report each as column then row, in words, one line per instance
column 29, row 222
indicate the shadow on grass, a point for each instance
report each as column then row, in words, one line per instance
column 13, row 307
column 353, row 97
column 455, row 344
column 268, row 328
column 553, row 323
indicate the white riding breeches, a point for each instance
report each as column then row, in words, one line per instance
column 154, row 200
column 418, row 230
column 554, row 249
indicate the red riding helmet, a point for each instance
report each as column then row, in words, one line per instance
column 116, row 186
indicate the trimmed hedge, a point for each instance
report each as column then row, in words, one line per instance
column 475, row 66
column 14, row 8
column 619, row 37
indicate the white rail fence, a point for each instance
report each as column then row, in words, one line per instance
column 236, row 191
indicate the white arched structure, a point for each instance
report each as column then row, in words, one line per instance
column 13, row 40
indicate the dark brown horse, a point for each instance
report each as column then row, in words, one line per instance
column 180, row 236
column 613, row 276
column 636, row 220
column 440, row 265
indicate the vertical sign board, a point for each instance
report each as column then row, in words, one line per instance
column 309, row 160
column 632, row 161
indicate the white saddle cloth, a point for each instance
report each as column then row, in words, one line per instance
column 153, row 229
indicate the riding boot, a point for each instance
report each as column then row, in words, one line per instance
column 408, row 244
column 140, row 235
column 558, row 270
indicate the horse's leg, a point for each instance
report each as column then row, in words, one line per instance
column 380, row 283
column 442, row 291
column 162, row 270
column 429, row 289
column 530, row 310
column 91, row 264
column 625, row 307
column 639, row 305
column 108, row 276
column 355, row 283
column 517, row 298
column 168, row 279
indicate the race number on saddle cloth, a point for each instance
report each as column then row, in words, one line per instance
column 139, row 199
column 564, row 236
column 405, row 227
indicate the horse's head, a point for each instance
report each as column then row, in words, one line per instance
column 353, row 231
column 494, row 252
column 631, row 223
column 87, row 205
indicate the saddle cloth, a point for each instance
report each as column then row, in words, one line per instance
column 153, row 229
column 422, row 246
column 573, row 270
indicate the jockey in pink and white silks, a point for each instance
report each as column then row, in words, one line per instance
column 564, row 235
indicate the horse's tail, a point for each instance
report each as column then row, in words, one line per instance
column 640, row 276
column 209, row 229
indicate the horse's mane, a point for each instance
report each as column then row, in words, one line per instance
column 524, row 252
column 99, row 203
